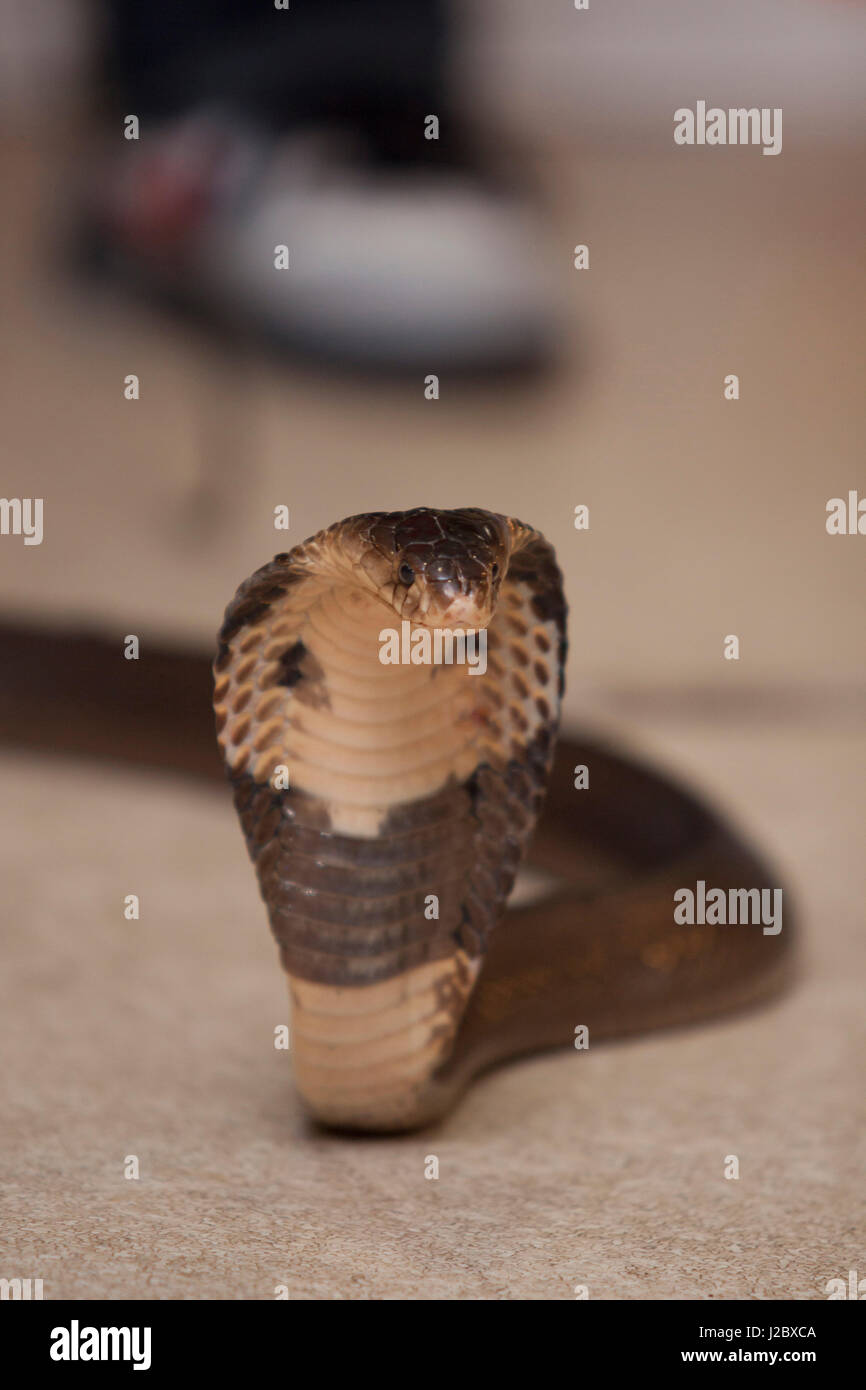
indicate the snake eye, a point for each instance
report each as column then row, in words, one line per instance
column 406, row 575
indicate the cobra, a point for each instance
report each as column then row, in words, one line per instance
column 388, row 808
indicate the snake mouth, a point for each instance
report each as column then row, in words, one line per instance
column 467, row 611
column 464, row 611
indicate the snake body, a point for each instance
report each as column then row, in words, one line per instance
column 387, row 808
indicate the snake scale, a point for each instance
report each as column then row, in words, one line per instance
column 387, row 808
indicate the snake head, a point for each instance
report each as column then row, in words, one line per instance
column 445, row 568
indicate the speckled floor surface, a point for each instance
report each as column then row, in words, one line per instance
column 154, row 1038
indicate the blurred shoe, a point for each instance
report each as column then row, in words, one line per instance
column 388, row 267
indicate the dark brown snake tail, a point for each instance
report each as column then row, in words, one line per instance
column 387, row 808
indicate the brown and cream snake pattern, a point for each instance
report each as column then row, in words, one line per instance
column 387, row 808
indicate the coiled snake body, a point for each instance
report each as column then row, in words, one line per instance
column 387, row 809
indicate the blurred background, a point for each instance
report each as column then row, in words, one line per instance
column 308, row 387
column 707, row 516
